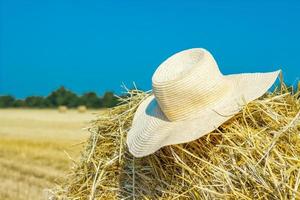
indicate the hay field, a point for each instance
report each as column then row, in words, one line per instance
column 34, row 149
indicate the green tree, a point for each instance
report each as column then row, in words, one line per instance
column 6, row 101
column 64, row 97
column 35, row 102
column 19, row 103
column 91, row 100
column 109, row 100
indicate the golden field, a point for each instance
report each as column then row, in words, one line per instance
column 36, row 147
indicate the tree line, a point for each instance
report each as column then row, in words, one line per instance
column 61, row 97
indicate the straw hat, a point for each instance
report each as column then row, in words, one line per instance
column 191, row 98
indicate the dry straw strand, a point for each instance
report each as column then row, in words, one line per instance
column 254, row 155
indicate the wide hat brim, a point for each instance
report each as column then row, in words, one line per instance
column 151, row 129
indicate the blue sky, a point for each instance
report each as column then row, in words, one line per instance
column 97, row 45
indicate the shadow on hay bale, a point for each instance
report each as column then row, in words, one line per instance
column 255, row 155
column 62, row 109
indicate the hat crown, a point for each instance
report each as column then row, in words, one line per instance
column 187, row 81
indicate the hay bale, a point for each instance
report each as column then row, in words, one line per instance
column 62, row 109
column 255, row 155
column 81, row 109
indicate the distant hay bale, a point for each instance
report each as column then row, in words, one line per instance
column 62, row 109
column 254, row 155
column 81, row 109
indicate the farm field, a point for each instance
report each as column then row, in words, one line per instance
column 36, row 147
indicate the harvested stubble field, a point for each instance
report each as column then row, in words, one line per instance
column 34, row 149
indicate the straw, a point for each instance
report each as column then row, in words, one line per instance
column 255, row 155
